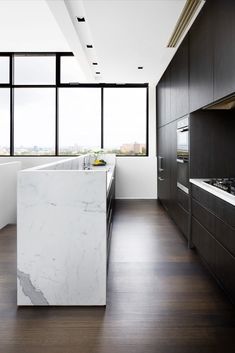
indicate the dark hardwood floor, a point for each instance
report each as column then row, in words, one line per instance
column 160, row 298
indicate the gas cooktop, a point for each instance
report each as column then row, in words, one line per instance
column 225, row 184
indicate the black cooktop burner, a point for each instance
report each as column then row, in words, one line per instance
column 226, row 184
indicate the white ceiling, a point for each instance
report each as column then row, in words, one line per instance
column 126, row 34
column 28, row 25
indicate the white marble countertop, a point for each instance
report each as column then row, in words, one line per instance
column 224, row 195
column 110, row 173
column 76, row 164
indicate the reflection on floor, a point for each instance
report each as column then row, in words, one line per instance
column 160, row 298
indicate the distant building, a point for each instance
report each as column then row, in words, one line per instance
column 133, row 148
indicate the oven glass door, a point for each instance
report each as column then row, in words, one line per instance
column 182, row 144
column 182, row 159
column 183, row 176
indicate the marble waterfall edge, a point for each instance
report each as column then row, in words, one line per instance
column 61, row 237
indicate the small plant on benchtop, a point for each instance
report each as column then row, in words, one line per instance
column 97, row 158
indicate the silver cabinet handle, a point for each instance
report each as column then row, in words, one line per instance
column 160, row 159
column 160, row 178
column 181, row 160
column 183, row 129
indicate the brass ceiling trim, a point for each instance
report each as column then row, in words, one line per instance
column 189, row 10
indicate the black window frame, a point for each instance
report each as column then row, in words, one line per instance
column 130, row 85
column 9, row 70
column 58, row 85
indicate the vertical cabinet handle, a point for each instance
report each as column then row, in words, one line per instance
column 160, row 164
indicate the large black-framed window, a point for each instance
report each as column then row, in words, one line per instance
column 43, row 104
column 79, row 107
column 34, row 108
column 125, row 130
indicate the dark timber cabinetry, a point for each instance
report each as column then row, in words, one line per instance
column 224, row 48
column 172, row 103
column 164, row 99
column 201, row 72
column 201, row 60
column 175, row 201
column 179, row 82
column 214, row 237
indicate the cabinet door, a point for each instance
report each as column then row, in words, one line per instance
column 203, row 216
column 163, row 166
column 161, row 163
column 167, row 79
column 182, row 220
column 161, row 103
column 204, row 243
column 225, row 270
column 172, row 136
column 225, row 235
column 179, row 82
column 163, row 95
column 224, row 53
column 211, row 144
column 201, row 59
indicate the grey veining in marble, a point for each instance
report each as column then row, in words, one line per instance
column 35, row 296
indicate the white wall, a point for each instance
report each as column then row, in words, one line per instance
column 136, row 177
column 8, row 181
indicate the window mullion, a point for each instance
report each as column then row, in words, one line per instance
column 102, row 117
column 11, row 105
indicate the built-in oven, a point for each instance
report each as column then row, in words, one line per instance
column 183, row 154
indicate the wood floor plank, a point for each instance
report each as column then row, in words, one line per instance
column 160, row 297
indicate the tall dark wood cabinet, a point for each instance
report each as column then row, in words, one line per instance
column 164, row 166
column 167, row 78
column 179, row 82
column 161, row 166
column 161, row 102
column 201, row 59
column 174, row 200
column 173, row 168
column 224, row 48
column 172, row 90
column 163, row 95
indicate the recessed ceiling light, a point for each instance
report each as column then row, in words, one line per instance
column 94, row 63
column 97, row 73
column 89, row 46
column 81, row 19
column 140, row 67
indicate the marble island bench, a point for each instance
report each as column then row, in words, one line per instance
column 64, row 222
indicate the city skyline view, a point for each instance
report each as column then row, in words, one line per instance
column 134, row 148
